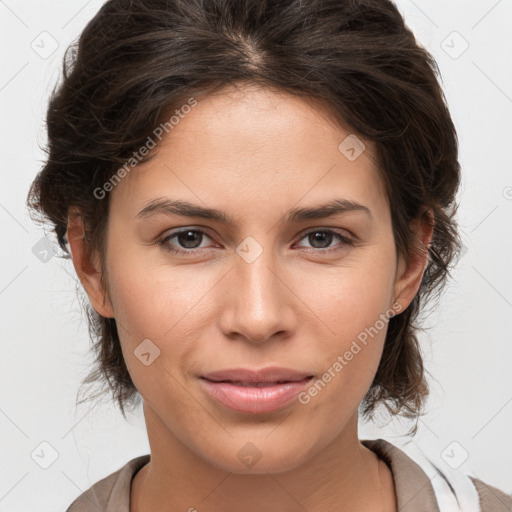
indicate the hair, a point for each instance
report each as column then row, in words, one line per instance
column 138, row 60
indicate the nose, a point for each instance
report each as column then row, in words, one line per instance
column 258, row 300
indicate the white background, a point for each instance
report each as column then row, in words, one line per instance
column 468, row 348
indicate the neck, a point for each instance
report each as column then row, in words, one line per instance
column 343, row 476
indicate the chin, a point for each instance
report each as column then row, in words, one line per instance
column 253, row 458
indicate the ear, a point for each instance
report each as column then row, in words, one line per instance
column 87, row 265
column 409, row 276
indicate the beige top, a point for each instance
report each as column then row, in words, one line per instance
column 415, row 491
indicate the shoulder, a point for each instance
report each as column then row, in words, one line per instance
column 491, row 498
column 421, row 484
column 112, row 492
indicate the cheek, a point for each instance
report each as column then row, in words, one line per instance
column 160, row 304
column 350, row 362
column 152, row 300
column 348, row 299
column 354, row 309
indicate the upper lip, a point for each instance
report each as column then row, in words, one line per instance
column 271, row 374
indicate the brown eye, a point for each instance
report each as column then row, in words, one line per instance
column 321, row 239
column 187, row 240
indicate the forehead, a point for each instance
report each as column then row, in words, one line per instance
column 248, row 144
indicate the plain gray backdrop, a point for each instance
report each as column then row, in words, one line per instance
column 52, row 451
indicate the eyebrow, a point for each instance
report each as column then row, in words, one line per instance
column 169, row 206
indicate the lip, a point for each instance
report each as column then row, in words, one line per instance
column 255, row 391
column 269, row 374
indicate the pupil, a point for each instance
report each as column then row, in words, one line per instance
column 185, row 240
column 320, row 236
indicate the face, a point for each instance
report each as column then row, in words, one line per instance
column 259, row 288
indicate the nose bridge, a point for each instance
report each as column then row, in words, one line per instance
column 259, row 300
column 257, row 281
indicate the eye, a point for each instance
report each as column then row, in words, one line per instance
column 325, row 238
column 188, row 238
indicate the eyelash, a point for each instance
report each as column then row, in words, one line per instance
column 164, row 241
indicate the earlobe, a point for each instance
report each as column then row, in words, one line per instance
column 409, row 276
column 87, row 265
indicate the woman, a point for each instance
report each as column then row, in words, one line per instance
column 257, row 197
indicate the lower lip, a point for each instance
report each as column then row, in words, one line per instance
column 254, row 399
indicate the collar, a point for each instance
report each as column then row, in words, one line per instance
column 420, row 485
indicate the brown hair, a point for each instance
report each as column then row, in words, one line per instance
column 138, row 59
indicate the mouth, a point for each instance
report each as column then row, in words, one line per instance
column 254, row 396
column 258, row 384
column 269, row 375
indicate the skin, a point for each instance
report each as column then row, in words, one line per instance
column 255, row 154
